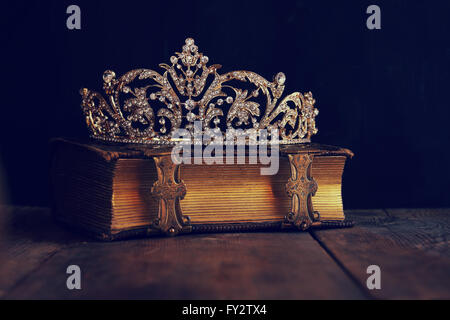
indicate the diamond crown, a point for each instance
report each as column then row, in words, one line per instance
column 189, row 90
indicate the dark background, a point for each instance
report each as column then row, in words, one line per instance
column 381, row 93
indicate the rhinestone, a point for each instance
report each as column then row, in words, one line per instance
column 205, row 59
column 190, row 104
column 163, row 130
column 189, row 73
column 153, row 96
column 316, row 111
column 280, row 78
column 216, row 121
column 162, row 121
column 189, row 41
column 229, row 99
column 108, row 76
column 190, row 117
column 173, row 59
column 220, row 102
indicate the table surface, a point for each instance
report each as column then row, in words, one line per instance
column 411, row 247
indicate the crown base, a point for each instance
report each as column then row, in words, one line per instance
column 172, row 142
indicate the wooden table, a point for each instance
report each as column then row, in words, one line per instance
column 411, row 246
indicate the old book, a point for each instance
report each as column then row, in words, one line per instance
column 117, row 192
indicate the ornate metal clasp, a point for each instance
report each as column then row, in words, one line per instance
column 300, row 188
column 169, row 190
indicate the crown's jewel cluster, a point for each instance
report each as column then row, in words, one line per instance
column 189, row 91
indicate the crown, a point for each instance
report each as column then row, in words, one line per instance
column 144, row 106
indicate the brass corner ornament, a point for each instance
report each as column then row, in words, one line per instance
column 169, row 190
column 300, row 188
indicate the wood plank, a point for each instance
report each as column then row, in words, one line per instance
column 408, row 269
column 221, row 266
column 28, row 237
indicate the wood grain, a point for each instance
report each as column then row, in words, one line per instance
column 410, row 246
column 424, row 229
column 29, row 237
column 224, row 266
column 408, row 269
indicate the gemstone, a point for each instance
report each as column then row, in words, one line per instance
column 189, row 41
column 205, row 59
column 189, row 73
column 229, row 99
column 216, row 121
column 190, row 117
column 153, row 96
column 280, row 78
column 173, row 59
column 316, row 111
column 190, row 104
column 108, row 76
column 220, row 102
column 162, row 121
column 163, row 130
